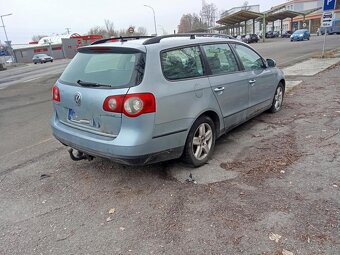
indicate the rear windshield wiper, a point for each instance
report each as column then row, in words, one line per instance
column 91, row 84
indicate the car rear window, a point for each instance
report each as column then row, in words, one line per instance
column 110, row 68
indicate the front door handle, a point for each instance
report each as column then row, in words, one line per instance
column 252, row 82
column 219, row 89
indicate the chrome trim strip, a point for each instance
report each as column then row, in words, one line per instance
column 88, row 130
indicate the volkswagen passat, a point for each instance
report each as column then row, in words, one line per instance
column 154, row 99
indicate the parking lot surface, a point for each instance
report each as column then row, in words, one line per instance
column 271, row 187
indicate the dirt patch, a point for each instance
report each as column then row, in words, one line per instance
column 269, row 157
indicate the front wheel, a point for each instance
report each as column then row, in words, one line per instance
column 278, row 99
column 200, row 142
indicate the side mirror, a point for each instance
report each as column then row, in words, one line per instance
column 271, row 62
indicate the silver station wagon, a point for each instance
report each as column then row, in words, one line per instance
column 144, row 100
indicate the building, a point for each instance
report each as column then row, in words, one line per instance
column 312, row 19
column 60, row 46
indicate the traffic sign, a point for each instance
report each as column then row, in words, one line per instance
column 327, row 19
column 329, row 5
column 131, row 30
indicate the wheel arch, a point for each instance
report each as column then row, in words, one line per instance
column 283, row 82
column 216, row 119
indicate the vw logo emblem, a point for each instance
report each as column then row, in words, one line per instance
column 77, row 98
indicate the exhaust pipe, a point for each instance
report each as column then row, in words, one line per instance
column 79, row 155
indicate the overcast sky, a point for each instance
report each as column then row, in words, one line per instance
column 53, row 16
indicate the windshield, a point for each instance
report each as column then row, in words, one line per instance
column 117, row 70
column 299, row 31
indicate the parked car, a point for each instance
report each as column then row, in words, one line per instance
column 251, row 38
column 286, row 34
column 42, row 58
column 300, row 35
column 272, row 34
column 154, row 99
column 241, row 38
column 9, row 61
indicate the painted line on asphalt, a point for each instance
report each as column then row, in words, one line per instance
column 36, row 78
column 27, row 147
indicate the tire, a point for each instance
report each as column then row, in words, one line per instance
column 35, row 63
column 200, row 142
column 51, row 61
column 278, row 99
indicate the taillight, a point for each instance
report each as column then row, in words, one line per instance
column 113, row 104
column 132, row 105
column 55, row 94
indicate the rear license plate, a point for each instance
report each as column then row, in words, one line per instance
column 71, row 114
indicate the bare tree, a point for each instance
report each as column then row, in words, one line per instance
column 141, row 31
column 36, row 38
column 110, row 28
column 208, row 13
column 98, row 30
column 190, row 22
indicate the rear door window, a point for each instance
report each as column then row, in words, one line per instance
column 220, row 58
column 115, row 69
column 182, row 63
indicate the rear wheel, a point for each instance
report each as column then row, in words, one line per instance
column 278, row 99
column 200, row 142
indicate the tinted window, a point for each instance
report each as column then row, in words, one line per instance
column 182, row 63
column 114, row 69
column 220, row 58
column 250, row 59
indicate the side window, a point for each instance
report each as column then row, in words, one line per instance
column 220, row 58
column 182, row 63
column 250, row 59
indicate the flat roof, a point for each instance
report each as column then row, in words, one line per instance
column 238, row 17
column 283, row 15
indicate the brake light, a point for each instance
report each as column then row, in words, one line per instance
column 132, row 105
column 55, row 94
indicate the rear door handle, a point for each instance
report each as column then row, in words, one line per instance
column 252, row 82
column 219, row 89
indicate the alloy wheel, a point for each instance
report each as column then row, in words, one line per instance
column 202, row 141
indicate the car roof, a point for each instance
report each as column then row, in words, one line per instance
column 166, row 42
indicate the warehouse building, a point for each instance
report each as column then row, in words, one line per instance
column 59, row 47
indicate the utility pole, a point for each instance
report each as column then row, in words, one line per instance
column 68, row 30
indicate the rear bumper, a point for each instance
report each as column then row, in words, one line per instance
column 128, row 160
column 124, row 149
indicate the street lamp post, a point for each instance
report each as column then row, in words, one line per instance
column 7, row 42
column 3, row 25
column 154, row 17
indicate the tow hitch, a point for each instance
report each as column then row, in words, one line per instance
column 79, row 155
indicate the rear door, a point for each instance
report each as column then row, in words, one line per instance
column 93, row 75
column 229, row 85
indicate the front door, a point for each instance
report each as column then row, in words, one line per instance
column 228, row 83
column 260, row 81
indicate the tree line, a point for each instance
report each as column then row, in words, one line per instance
column 193, row 22
column 107, row 30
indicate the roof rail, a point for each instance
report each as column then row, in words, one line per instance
column 121, row 39
column 157, row 39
